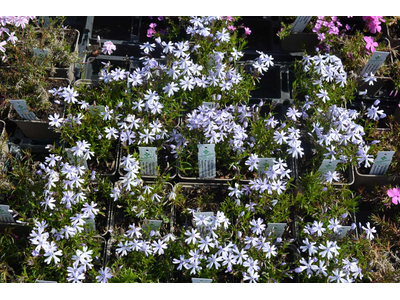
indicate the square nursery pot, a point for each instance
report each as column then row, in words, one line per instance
column 368, row 182
column 301, row 164
column 35, row 129
column 192, row 178
column 67, row 72
column 379, row 87
column 86, row 82
column 192, row 191
column 297, row 42
column 118, row 222
column 110, row 173
column 161, row 162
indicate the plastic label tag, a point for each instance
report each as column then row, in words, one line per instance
column 148, row 160
column 93, row 109
column 41, row 53
column 152, row 225
column 5, row 215
column 375, row 62
column 207, row 163
column 326, row 166
column 381, row 163
column 300, row 23
column 263, row 164
column 342, row 231
column 277, row 228
column 23, row 110
column 201, row 280
column 74, row 159
column 206, row 214
column 45, row 281
column 208, row 104
column 90, row 225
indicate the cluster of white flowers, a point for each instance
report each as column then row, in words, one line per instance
column 324, row 254
column 213, row 252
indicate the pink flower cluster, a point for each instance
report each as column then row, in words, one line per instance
column 151, row 31
column 374, row 23
column 329, row 25
column 17, row 21
column 395, row 195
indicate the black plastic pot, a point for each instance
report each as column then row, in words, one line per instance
column 369, row 182
column 297, row 42
column 35, row 129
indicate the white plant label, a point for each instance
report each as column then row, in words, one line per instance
column 5, row 215
column 263, row 164
column 148, row 160
column 152, row 225
column 381, row 163
column 208, row 104
column 374, row 63
column 45, row 281
column 342, row 231
column 23, row 110
column 326, row 166
column 201, row 280
column 74, row 159
column 93, row 109
column 90, row 225
column 207, row 162
column 204, row 213
column 277, row 228
column 40, row 52
column 300, row 23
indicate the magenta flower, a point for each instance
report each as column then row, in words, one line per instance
column 370, row 43
column 247, row 30
column 395, row 195
column 153, row 25
column 374, row 23
column 231, row 28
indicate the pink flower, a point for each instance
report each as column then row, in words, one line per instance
column 150, row 32
column 247, row 30
column 108, row 48
column 370, row 43
column 231, row 28
column 374, row 23
column 321, row 36
column 153, row 25
column 395, row 195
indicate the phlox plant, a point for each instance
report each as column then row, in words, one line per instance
column 60, row 226
column 323, row 79
column 27, row 75
column 196, row 69
column 143, row 202
column 336, row 132
column 231, row 250
column 329, row 257
column 90, row 123
column 316, row 199
column 217, row 247
column 355, row 50
column 143, row 255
